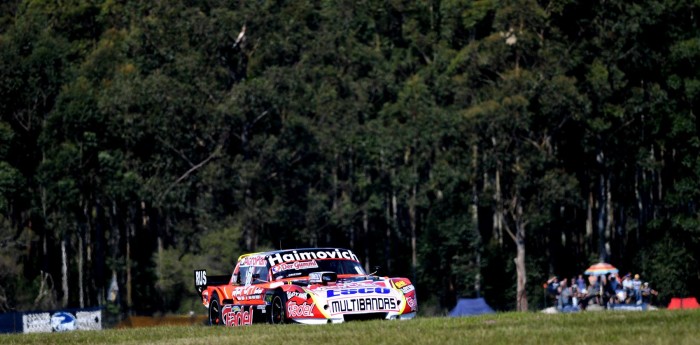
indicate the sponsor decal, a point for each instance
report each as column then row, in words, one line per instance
column 62, row 321
column 237, row 316
column 253, row 297
column 89, row 320
column 200, row 278
column 297, row 265
column 346, row 285
column 635, row 307
column 247, row 290
column 358, row 305
column 279, row 258
column 253, row 261
column 361, row 291
column 400, row 284
column 36, row 322
column 408, row 288
column 296, row 294
column 300, row 310
column 365, row 283
column 411, row 303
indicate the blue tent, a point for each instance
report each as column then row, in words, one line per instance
column 470, row 307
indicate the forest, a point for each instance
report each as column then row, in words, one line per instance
column 476, row 147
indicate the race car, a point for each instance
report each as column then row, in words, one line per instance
column 307, row 286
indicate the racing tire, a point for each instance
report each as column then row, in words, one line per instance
column 278, row 308
column 215, row 317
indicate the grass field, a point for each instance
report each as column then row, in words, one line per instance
column 609, row 328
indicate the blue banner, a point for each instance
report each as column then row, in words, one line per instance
column 52, row 321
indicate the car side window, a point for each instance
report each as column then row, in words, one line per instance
column 263, row 274
column 251, row 275
column 236, row 276
column 248, row 275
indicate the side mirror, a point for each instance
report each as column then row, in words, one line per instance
column 324, row 277
column 375, row 270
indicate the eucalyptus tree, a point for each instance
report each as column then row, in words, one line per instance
column 518, row 100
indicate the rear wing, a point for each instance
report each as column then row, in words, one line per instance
column 201, row 280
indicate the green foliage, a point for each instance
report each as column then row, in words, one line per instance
column 666, row 266
column 164, row 136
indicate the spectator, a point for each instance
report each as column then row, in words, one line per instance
column 552, row 288
column 610, row 287
column 627, row 286
column 594, row 289
column 647, row 292
column 581, row 283
column 565, row 295
column 574, row 292
column 614, row 283
column 637, row 288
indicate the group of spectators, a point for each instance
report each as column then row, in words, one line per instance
column 604, row 290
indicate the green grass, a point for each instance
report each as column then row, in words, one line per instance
column 609, row 328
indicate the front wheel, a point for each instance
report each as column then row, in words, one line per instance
column 215, row 311
column 278, row 308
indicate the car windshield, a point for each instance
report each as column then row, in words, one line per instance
column 303, row 268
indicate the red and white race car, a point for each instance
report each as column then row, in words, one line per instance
column 309, row 286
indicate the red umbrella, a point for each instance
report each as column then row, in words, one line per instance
column 600, row 269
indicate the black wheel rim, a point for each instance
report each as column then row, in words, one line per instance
column 214, row 313
column 277, row 310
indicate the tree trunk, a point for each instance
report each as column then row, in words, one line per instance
column 520, row 260
column 387, row 237
column 640, row 203
column 80, row 270
column 609, row 220
column 395, row 214
column 64, row 272
column 89, row 261
column 589, row 224
column 247, row 224
column 365, row 230
column 602, row 202
column 659, row 175
column 351, row 172
column 336, row 192
column 475, row 219
column 129, row 235
column 498, row 215
column 521, row 272
column 412, row 219
column 44, row 235
column 620, row 230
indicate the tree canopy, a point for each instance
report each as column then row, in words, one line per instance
column 473, row 146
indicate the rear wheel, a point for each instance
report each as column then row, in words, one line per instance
column 215, row 311
column 278, row 308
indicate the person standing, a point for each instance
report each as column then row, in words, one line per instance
column 637, row 288
column 552, row 288
column 627, row 286
column 581, row 283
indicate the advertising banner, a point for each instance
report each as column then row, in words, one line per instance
column 52, row 321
